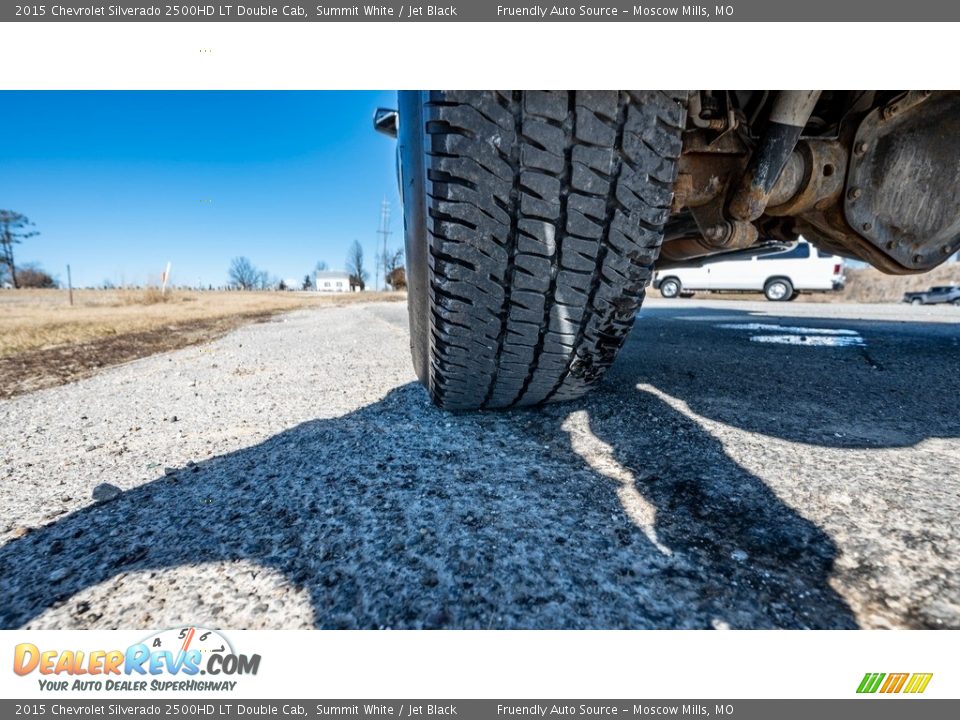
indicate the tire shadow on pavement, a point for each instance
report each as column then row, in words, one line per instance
column 616, row 512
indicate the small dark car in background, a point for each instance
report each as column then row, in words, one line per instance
column 934, row 296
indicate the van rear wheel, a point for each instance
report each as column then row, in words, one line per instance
column 778, row 290
column 670, row 287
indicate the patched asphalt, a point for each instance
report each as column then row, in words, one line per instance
column 739, row 467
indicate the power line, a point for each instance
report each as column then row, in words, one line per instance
column 385, row 231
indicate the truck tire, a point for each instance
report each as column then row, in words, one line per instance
column 532, row 223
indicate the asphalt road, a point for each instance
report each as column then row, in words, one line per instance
column 745, row 465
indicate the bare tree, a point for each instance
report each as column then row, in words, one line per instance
column 244, row 275
column 13, row 230
column 392, row 262
column 358, row 274
column 307, row 282
column 321, row 266
column 265, row 282
column 397, row 278
column 32, row 275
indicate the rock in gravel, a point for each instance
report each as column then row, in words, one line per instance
column 104, row 492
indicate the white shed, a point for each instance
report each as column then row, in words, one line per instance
column 333, row 281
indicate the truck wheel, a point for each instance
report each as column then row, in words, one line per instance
column 778, row 290
column 532, row 222
column 916, row 301
column 670, row 288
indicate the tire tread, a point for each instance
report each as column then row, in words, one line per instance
column 545, row 216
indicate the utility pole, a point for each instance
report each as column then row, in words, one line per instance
column 69, row 285
column 385, row 231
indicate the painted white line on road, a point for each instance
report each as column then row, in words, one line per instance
column 787, row 329
column 812, row 340
column 794, row 335
column 710, row 318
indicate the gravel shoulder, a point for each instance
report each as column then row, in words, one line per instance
column 292, row 474
column 45, row 342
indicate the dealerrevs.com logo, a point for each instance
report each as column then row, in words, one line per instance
column 180, row 653
column 909, row 683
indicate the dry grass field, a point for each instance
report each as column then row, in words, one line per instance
column 44, row 341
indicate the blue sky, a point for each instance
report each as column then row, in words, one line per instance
column 118, row 183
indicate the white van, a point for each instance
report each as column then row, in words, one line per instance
column 779, row 275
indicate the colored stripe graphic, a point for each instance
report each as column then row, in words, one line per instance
column 870, row 682
column 918, row 682
column 895, row 683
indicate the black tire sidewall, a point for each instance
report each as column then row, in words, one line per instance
column 411, row 149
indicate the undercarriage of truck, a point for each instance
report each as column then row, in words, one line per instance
column 869, row 175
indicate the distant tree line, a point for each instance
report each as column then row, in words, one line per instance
column 244, row 275
column 15, row 227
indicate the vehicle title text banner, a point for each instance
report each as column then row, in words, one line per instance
column 485, row 11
